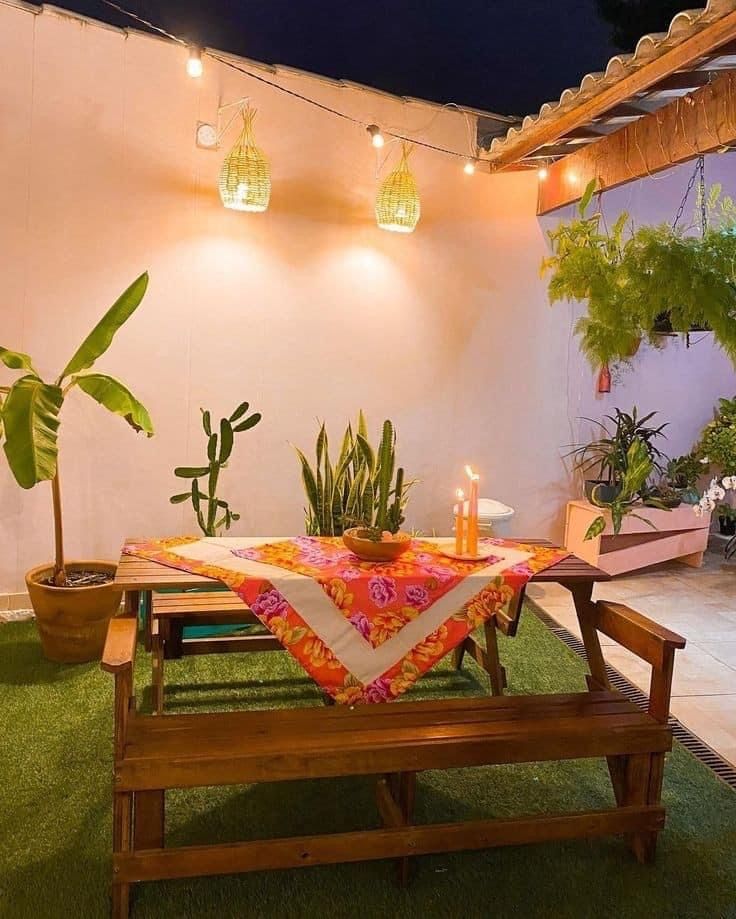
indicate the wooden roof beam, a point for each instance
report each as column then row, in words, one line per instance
column 678, row 57
column 699, row 123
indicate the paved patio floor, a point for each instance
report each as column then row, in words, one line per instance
column 700, row 604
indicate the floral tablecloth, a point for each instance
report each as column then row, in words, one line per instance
column 365, row 632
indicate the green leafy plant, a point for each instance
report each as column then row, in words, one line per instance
column 607, row 456
column 363, row 488
column 726, row 512
column 639, row 467
column 213, row 513
column 628, row 281
column 683, row 472
column 717, row 446
column 30, row 408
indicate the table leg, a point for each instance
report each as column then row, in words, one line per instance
column 157, row 666
column 496, row 673
column 582, row 594
column 132, row 601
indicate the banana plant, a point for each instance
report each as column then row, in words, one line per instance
column 359, row 489
column 30, row 408
column 639, row 466
column 212, row 512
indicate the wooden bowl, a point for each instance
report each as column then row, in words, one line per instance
column 371, row 551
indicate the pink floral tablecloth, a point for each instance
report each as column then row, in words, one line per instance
column 364, row 631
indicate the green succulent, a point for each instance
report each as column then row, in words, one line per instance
column 363, row 488
column 213, row 513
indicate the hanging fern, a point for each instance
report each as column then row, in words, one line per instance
column 628, row 281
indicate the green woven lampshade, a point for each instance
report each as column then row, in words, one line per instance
column 245, row 177
column 397, row 203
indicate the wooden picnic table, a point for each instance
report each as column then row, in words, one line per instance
column 139, row 578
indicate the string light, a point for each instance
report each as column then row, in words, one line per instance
column 194, row 62
column 572, row 177
column 227, row 62
column 542, row 173
column 469, row 167
column 377, row 138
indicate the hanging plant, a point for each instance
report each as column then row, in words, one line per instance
column 629, row 279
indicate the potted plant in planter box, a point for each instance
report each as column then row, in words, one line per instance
column 73, row 600
column 682, row 474
column 603, row 462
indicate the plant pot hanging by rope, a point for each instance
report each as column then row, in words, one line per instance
column 245, row 177
column 397, row 203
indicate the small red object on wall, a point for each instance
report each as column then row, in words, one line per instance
column 604, row 379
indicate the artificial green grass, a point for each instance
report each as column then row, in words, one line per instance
column 55, row 811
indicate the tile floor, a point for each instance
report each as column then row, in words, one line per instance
column 700, row 604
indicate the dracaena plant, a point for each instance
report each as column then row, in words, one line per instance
column 639, row 467
column 213, row 513
column 30, row 407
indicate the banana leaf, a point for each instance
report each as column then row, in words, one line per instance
column 117, row 398
column 30, row 417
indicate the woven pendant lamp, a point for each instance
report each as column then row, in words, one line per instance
column 245, row 177
column 397, row 202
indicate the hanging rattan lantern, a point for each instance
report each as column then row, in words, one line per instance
column 245, row 177
column 397, row 202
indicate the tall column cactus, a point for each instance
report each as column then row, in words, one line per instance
column 207, row 505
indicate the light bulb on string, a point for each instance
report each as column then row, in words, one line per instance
column 469, row 167
column 542, row 173
column 377, row 138
column 194, row 62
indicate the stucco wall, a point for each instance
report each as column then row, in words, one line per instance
column 309, row 310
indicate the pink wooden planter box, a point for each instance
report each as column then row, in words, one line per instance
column 679, row 534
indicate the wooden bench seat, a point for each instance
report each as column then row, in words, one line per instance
column 182, row 751
column 172, row 612
column 394, row 743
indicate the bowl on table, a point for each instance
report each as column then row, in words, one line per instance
column 358, row 540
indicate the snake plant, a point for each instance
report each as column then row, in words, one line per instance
column 30, row 408
column 362, row 488
column 214, row 513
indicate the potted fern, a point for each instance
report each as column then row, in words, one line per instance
column 73, row 600
column 630, row 280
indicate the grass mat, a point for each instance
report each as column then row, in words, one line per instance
column 55, row 812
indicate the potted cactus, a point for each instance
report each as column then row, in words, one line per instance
column 73, row 600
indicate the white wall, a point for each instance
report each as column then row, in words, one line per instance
column 309, row 310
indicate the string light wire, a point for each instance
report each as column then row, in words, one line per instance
column 290, row 92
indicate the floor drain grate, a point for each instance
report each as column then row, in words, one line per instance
column 700, row 750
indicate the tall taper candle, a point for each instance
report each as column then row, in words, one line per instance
column 460, row 522
column 473, row 512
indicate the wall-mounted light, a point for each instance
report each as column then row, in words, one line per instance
column 397, row 203
column 377, row 138
column 194, row 62
column 245, row 177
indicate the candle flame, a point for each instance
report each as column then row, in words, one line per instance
column 472, row 475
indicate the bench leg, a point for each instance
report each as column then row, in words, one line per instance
column 122, row 830
column 148, row 821
column 637, row 781
column 406, row 797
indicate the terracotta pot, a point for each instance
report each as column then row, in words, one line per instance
column 371, row 551
column 72, row 621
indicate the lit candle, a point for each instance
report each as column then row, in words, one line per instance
column 459, row 522
column 473, row 512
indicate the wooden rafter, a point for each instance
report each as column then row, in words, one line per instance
column 699, row 123
column 680, row 56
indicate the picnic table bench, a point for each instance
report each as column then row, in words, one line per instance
column 153, row 754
